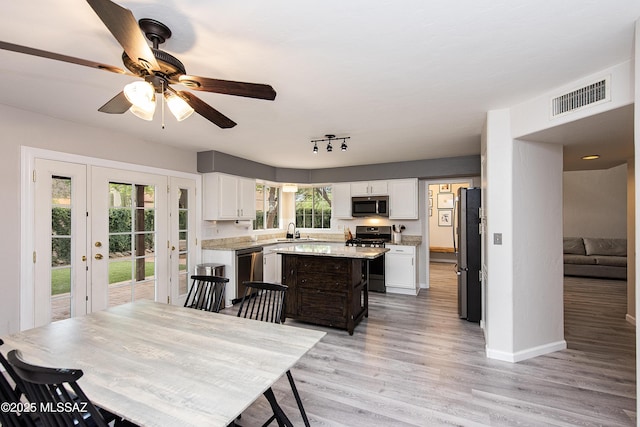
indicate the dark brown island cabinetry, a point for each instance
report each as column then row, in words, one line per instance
column 326, row 290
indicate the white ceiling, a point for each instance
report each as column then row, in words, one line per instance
column 405, row 80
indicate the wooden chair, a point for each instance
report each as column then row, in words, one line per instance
column 56, row 388
column 12, row 394
column 266, row 302
column 206, row 293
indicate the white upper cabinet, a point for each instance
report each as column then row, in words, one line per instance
column 228, row 197
column 369, row 188
column 403, row 199
column 341, row 195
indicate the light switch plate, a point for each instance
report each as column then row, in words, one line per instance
column 497, row 238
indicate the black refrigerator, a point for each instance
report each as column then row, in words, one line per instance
column 468, row 253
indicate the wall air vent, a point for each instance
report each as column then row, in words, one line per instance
column 589, row 95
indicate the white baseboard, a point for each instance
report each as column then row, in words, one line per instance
column 402, row 291
column 526, row 354
column 631, row 319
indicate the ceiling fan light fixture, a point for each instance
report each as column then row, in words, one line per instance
column 178, row 106
column 141, row 94
column 144, row 113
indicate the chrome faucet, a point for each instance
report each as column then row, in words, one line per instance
column 291, row 235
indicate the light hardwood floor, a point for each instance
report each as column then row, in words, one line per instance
column 414, row 363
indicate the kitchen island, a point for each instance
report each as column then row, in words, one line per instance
column 328, row 283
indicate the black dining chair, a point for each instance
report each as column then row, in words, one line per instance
column 56, row 388
column 11, row 392
column 206, row 293
column 266, row 302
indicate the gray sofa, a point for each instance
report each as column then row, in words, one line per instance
column 595, row 257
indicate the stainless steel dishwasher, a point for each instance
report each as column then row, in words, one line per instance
column 248, row 269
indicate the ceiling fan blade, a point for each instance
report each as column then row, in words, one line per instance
column 228, row 87
column 58, row 57
column 124, row 27
column 207, row 111
column 117, row 105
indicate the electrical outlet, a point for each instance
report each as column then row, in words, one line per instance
column 497, row 238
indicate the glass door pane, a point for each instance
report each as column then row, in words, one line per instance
column 182, row 237
column 60, row 248
column 132, row 239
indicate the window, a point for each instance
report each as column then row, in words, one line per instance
column 313, row 207
column 267, row 207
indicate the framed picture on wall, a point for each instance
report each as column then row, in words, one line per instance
column 444, row 217
column 430, row 193
column 444, row 188
column 430, row 202
column 445, row 200
column 430, row 212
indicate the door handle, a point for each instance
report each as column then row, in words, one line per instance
column 98, row 256
column 98, row 244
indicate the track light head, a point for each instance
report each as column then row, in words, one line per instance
column 329, row 147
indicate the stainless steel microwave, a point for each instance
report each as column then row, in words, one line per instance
column 370, row 206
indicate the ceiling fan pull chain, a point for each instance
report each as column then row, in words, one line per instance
column 162, row 100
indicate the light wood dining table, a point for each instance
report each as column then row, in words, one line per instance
column 161, row 365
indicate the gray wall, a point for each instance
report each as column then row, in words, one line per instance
column 216, row 161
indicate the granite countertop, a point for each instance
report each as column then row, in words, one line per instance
column 238, row 244
column 234, row 246
column 332, row 250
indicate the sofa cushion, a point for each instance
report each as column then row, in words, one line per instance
column 573, row 245
column 612, row 261
column 600, row 246
column 579, row 259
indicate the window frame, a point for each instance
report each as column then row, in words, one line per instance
column 313, row 215
column 265, row 210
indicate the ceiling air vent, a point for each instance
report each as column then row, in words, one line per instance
column 591, row 94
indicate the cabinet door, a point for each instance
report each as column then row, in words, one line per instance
column 246, row 198
column 360, row 188
column 220, row 198
column 378, row 188
column 341, row 194
column 403, row 199
column 400, row 268
column 269, row 267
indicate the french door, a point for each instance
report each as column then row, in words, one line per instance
column 104, row 237
column 182, row 200
column 60, row 230
column 128, row 247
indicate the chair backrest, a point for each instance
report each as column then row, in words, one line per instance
column 206, row 293
column 11, row 393
column 264, row 301
column 58, row 390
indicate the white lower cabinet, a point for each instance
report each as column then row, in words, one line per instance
column 272, row 268
column 401, row 270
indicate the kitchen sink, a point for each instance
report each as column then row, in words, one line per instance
column 299, row 239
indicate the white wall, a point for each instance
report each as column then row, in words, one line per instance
column 499, row 298
column 537, row 286
column 21, row 128
column 595, row 203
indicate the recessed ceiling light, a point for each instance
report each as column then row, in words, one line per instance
column 591, row 157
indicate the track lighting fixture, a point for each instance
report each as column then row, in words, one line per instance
column 330, row 138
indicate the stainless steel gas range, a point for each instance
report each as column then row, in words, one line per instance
column 373, row 237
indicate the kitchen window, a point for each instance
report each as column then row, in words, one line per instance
column 267, row 207
column 313, row 207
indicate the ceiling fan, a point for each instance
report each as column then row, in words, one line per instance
column 158, row 69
